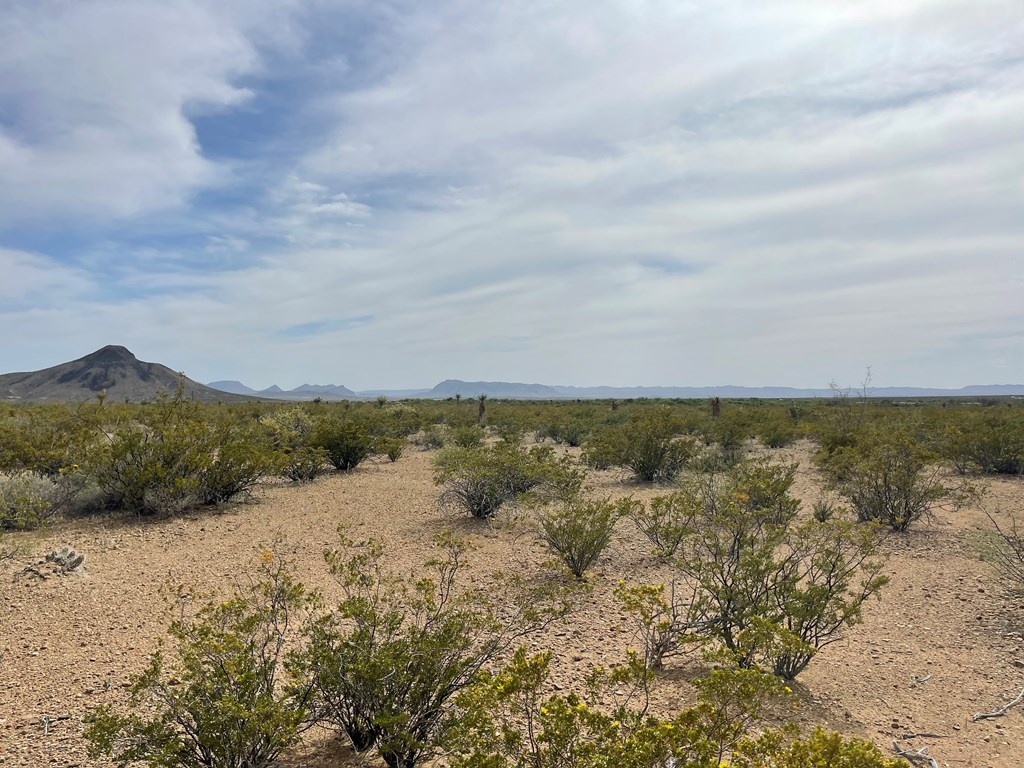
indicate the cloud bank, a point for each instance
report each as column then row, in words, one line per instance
column 391, row 193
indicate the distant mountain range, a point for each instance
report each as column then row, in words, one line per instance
column 305, row 392
column 113, row 370
column 507, row 390
column 116, row 371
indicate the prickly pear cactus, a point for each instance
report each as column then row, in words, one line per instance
column 66, row 558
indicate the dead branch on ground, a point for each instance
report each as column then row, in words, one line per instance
column 920, row 756
column 1001, row 711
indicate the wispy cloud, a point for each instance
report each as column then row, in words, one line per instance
column 320, row 327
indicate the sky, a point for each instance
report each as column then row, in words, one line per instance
column 383, row 193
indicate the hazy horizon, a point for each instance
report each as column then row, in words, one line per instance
column 389, row 194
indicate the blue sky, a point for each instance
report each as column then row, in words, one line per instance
column 393, row 193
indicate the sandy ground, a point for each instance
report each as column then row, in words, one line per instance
column 70, row 643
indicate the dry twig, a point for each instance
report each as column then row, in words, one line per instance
column 920, row 756
column 1001, row 711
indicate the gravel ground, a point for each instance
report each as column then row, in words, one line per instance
column 70, row 643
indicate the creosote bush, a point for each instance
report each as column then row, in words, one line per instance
column 28, row 499
column 392, row 447
column 667, row 624
column 389, row 662
column 303, row 463
column 578, row 531
column 991, row 445
column 482, row 480
column 1005, row 550
column 893, row 481
column 346, row 443
column 647, row 445
column 174, row 458
column 221, row 702
column 508, row 722
column 767, row 590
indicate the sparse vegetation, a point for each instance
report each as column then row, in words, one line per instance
column 578, row 531
column 222, row 703
column 482, row 480
column 413, row 664
column 388, row 664
column 647, row 445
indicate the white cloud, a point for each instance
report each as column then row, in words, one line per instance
column 98, row 96
column 621, row 193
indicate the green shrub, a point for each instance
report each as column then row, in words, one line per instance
column 893, row 482
column 346, row 443
column 578, row 531
column 646, row 445
column 821, row 749
column 239, row 460
column 392, row 447
column 175, row 458
column 29, row 499
column 509, row 722
column 1005, row 550
column 778, row 432
column 389, row 662
column 481, row 480
column 465, row 436
column 765, row 486
column 45, row 440
column 768, row 591
column 431, row 438
column 992, row 445
column 572, row 430
column 666, row 521
column 288, row 428
column 221, row 703
column 666, row 623
column 304, row 464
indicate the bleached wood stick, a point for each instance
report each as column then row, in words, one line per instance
column 919, row 756
column 1002, row 710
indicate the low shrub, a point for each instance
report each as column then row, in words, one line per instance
column 510, row 722
column 304, row 464
column 991, row 445
column 778, row 433
column 171, row 458
column 465, row 435
column 666, row 622
column 346, row 443
column 429, row 439
column 221, row 703
column 893, row 482
column 482, row 480
column 764, row 589
column 647, row 445
column 28, row 499
column 387, row 665
column 666, row 521
column 392, row 447
column 579, row 531
column 1005, row 550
